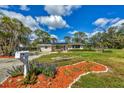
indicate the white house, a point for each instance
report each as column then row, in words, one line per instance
column 62, row 46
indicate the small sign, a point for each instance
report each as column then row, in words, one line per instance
column 17, row 55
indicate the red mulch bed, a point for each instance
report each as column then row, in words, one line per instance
column 65, row 76
column 7, row 56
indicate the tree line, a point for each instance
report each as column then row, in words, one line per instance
column 110, row 38
column 14, row 33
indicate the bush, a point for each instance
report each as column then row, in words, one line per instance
column 107, row 51
column 15, row 71
column 34, row 70
column 85, row 49
column 31, row 78
column 49, row 71
column 46, row 69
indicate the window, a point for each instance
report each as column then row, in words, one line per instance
column 75, row 46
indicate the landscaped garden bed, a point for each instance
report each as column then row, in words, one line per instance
column 7, row 56
column 65, row 76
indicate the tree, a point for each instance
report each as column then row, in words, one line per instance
column 67, row 39
column 53, row 40
column 13, row 33
column 79, row 37
column 112, row 38
column 42, row 36
column 99, row 40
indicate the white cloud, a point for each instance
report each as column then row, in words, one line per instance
column 52, row 21
column 115, row 20
column 54, row 36
column 73, row 32
column 101, row 22
column 4, row 6
column 112, row 22
column 28, row 21
column 104, row 21
column 119, row 23
column 24, row 7
column 61, row 10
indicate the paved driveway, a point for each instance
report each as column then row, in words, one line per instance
column 8, row 63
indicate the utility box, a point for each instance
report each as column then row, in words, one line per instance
column 23, row 57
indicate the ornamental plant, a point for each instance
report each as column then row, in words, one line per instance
column 49, row 71
column 15, row 71
column 31, row 78
column 34, row 70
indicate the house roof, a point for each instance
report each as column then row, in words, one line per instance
column 75, row 44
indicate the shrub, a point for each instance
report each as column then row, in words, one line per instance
column 31, row 78
column 46, row 69
column 107, row 51
column 85, row 49
column 34, row 70
column 15, row 71
column 49, row 71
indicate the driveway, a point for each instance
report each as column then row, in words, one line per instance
column 6, row 64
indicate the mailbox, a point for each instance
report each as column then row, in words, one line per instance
column 23, row 57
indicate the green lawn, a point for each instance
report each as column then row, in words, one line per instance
column 114, row 60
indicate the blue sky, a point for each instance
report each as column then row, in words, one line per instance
column 61, row 21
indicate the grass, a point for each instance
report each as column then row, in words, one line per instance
column 114, row 60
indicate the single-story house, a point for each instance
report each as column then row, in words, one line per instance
column 62, row 46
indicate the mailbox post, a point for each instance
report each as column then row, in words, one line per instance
column 23, row 57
